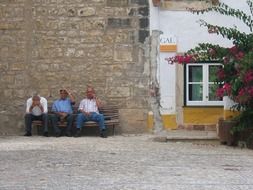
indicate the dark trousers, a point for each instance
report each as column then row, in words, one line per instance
column 29, row 118
column 55, row 118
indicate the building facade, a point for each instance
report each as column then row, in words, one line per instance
column 188, row 92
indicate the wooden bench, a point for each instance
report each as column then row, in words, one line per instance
column 111, row 115
column 110, row 112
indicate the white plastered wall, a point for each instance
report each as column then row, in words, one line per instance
column 184, row 26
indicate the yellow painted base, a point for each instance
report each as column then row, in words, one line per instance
column 169, row 121
column 193, row 116
column 230, row 114
column 202, row 116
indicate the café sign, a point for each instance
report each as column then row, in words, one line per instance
column 168, row 43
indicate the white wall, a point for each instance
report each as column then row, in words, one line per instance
column 188, row 32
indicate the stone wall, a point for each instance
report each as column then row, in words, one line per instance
column 49, row 44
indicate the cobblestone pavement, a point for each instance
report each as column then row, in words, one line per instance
column 124, row 162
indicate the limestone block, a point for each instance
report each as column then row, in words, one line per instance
column 123, row 53
column 87, row 11
column 140, row 91
column 117, row 3
column 52, row 11
column 120, row 12
column 143, row 34
column 14, row 120
column 91, row 39
column 134, row 102
column 144, row 23
column 4, row 51
column 40, row 11
column 4, row 118
column 16, row 12
column 113, row 80
column 45, row 92
column 92, row 24
column 17, row 67
column 118, row 91
column 20, row 79
column 71, row 12
column 19, row 93
column 133, row 120
column 8, row 93
column 108, row 39
column 42, row 68
column 62, row 11
column 8, row 79
column 52, row 25
column 105, row 52
column 72, row 33
column 140, row 2
column 124, row 37
column 4, row 66
column 70, row 52
column 98, row 1
column 7, row 39
column 108, row 11
column 119, row 22
column 98, row 24
column 144, row 11
column 57, row 52
column 80, row 53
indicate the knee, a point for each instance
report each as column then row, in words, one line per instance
column 70, row 116
column 28, row 115
column 79, row 116
column 101, row 117
column 54, row 117
column 44, row 115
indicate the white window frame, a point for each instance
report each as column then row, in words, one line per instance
column 205, row 82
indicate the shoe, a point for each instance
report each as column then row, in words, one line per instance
column 68, row 134
column 28, row 134
column 78, row 133
column 57, row 134
column 45, row 134
column 103, row 134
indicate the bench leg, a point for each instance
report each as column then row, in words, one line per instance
column 38, row 129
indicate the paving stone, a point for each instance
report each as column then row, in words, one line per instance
column 126, row 162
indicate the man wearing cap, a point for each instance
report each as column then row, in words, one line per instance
column 36, row 109
column 62, row 109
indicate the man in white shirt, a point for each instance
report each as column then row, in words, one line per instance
column 36, row 109
column 89, row 111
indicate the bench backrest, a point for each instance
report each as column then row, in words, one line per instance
column 111, row 111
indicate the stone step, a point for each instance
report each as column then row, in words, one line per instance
column 180, row 135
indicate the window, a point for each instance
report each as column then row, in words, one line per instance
column 200, row 84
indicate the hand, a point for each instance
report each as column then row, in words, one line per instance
column 62, row 114
column 87, row 113
column 35, row 103
column 68, row 92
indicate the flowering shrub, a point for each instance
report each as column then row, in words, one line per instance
column 235, row 77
